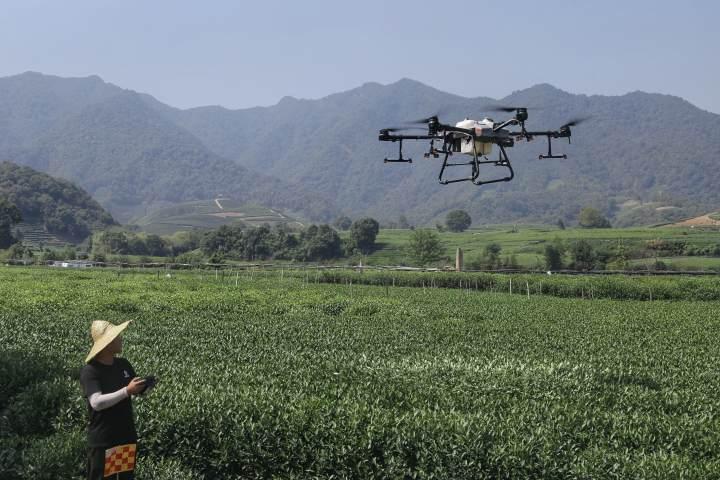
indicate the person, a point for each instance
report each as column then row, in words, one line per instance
column 108, row 384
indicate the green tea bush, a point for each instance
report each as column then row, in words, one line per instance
column 61, row 455
column 618, row 287
column 266, row 377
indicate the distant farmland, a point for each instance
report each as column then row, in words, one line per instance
column 210, row 214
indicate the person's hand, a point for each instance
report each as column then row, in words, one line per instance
column 136, row 386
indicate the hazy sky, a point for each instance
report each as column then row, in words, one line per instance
column 242, row 54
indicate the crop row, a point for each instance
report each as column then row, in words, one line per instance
column 618, row 287
column 264, row 378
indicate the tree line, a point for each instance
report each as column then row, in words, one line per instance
column 238, row 242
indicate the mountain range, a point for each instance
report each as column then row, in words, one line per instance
column 640, row 158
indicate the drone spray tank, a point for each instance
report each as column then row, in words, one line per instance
column 483, row 128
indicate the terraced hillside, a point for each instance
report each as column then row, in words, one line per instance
column 210, row 214
column 34, row 235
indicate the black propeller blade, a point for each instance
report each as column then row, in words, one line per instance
column 575, row 121
column 425, row 120
column 510, row 109
column 399, row 129
column 502, row 108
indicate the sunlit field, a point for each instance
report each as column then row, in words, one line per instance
column 270, row 376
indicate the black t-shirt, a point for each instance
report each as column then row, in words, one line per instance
column 115, row 425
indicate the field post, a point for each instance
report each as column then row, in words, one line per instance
column 527, row 285
column 237, row 277
column 511, row 285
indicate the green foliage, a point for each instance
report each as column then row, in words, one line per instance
column 425, row 246
column 41, row 419
column 343, row 223
column 285, row 378
column 638, row 288
column 591, row 218
column 363, row 233
column 319, row 243
column 662, row 246
column 583, row 255
column 458, row 221
column 57, row 204
column 68, row 253
column 118, row 242
column 553, row 257
column 9, row 215
column 260, row 243
column 20, row 252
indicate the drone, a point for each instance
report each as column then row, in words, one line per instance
column 475, row 138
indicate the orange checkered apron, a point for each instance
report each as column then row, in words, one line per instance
column 120, row 459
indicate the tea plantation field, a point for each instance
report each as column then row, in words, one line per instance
column 280, row 378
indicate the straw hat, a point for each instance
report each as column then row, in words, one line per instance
column 103, row 333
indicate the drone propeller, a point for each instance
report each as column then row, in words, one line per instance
column 399, row 129
column 575, row 121
column 503, row 108
column 425, row 120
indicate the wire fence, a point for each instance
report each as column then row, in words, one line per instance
column 358, row 268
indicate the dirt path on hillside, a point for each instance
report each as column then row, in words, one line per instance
column 703, row 220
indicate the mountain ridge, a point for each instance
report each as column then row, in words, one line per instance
column 632, row 147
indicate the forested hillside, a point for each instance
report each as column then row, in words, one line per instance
column 641, row 158
column 59, row 206
column 129, row 157
column 640, row 151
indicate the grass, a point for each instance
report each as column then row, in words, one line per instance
column 527, row 242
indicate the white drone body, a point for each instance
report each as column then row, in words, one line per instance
column 483, row 128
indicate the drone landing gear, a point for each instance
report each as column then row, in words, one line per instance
column 502, row 161
column 400, row 158
column 550, row 154
column 473, row 163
